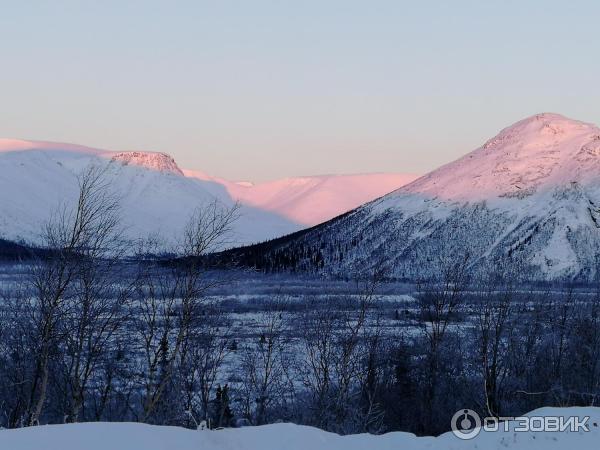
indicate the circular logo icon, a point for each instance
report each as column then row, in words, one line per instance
column 466, row 424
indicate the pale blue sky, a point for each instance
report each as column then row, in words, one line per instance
column 264, row 89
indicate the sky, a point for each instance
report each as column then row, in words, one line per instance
column 258, row 90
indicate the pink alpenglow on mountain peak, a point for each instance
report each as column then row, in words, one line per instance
column 526, row 202
column 158, row 196
column 150, row 160
column 532, row 155
column 312, row 200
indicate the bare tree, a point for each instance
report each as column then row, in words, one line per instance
column 171, row 300
column 263, row 366
column 332, row 336
column 74, row 239
column 372, row 376
column 493, row 318
column 96, row 314
column 18, row 342
column 438, row 300
column 560, row 318
column 202, row 358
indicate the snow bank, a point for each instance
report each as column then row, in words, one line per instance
column 130, row 436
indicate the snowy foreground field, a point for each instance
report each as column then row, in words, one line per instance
column 133, row 436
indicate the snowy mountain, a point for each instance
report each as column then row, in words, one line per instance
column 528, row 201
column 158, row 197
column 312, row 200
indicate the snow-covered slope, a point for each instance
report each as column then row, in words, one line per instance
column 158, row 197
column 533, row 156
column 528, row 198
column 130, row 436
column 312, row 200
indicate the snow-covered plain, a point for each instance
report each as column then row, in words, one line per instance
column 130, row 436
column 158, row 196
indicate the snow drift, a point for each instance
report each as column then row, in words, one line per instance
column 130, row 436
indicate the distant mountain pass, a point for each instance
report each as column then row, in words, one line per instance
column 313, row 199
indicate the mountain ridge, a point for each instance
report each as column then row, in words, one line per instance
column 36, row 176
column 526, row 202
